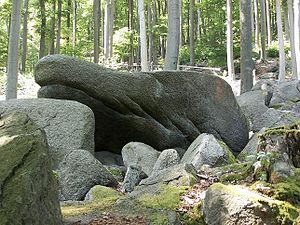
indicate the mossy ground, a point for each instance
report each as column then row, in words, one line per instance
column 104, row 198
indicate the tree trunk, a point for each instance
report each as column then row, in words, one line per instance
column 130, row 28
column 58, row 34
column 263, row 54
column 199, row 21
column 52, row 32
column 192, row 32
column 171, row 58
column 297, row 34
column 69, row 21
column 246, row 46
column 268, row 22
column 96, row 18
column 143, row 37
column 154, row 23
column 24, row 38
column 256, row 16
column 111, row 27
column 180, row 24
column 13, row 50
column 74, row 33
column 230, row 63
column 42, row 52
column 281, row 77
column 106, row 29
column 292, row 40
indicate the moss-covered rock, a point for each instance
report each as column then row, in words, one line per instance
column 234, row 204
column 29, row 189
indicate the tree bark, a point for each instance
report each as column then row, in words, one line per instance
column 111, row 27
column 256, row 16
column 143, row 37
column 58, row 34
column 42, row 52
column 230, row 64
column 281, row 77
column 13, row 50
column 269, row 32
column 96, row 18
column 52, row 32
column 24, row 38
column 171, row 58
column 106, row 29
column 297, row 34
column 246, row 46
column 263, row 35
column 74, row 33
column 292, row 40
column 192, row 32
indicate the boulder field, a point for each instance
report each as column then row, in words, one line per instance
column 162, row 109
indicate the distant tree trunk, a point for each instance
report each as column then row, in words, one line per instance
column 256, row 16
column 199, row 20
column 154, row 23
column 269, row 33
column 192, row 32
column 229, row 35
column 180, row 24
column 52, row 32
column 292, row 40
column 297, row 34
column 171, row 58
column 69, row 21
column 246, row 46
column 96, row 18
column 281, row 77
column 58, row 34
column 13, row 50
column 263, row 54
column 74, row 33
column 24, row 38
column 42, row 52
column 130, row 29
column 111, row 27
column 150, row 44
column 143, row 37
column 106, row 29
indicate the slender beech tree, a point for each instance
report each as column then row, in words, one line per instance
column 42, row 51
column 256, row 19
column 292, row 40
column 269, row 32
column 58, row 33
column 246, row 46
column 52, row 27
column 13, row 50
column 106, row 29
column 171, row 58
column 74, row 30
column 230, row 64
column 297, row 34
column 111, row 27
column 24, row 36
column 96, row 18
column 143, row 37
column 192, row 32
column 263, row 34
column 281, row 77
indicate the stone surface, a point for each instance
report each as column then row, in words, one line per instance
column 68, row 124
column 167, row 158
column 206, row 149
column 253, row 104
column 286, row 92
column 109, row 158
column 132, row 178
column 29, row 189
column 236, row 205
column 163, row 109
column 274, row 118
column 178, row 175
column 79, row 172
column 139, row 154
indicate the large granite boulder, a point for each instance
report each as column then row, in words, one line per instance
column 68, row 125
column 79, row 172
column 163, row 109
column 28, row 187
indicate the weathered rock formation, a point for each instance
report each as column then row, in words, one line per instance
column 162, row 109
column 28, row 187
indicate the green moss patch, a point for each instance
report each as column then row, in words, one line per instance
column 104, row 198
column 236, row 172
